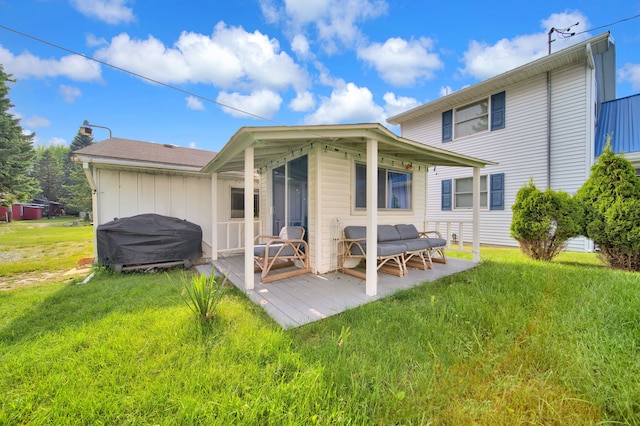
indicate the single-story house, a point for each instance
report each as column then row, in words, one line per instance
column 537, row 121
column 321, row 177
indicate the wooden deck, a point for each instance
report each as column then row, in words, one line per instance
column 296, row 301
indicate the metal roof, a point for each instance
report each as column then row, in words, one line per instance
column 619, row 118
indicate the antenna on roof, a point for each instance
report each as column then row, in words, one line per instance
column 563, row 32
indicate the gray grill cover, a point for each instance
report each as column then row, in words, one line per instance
column 148, row 238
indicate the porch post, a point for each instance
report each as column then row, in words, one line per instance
column 248, row 219
column 372, row 218
column 214, row 216
column 475, row 249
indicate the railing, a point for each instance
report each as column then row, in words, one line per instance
column 230, row 235
column 455, row 232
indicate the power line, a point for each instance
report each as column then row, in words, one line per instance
column 609, row 25
column 140, row 75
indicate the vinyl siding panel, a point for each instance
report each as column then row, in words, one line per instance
column 520, row 148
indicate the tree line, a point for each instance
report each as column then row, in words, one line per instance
column 28, row 172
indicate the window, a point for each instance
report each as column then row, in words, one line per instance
column 463, row 193
column 458, row 193
column 474, row 118
column 237, row 203
column 394, row 188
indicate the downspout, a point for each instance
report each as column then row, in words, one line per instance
column 88, row 172
column 548, row 129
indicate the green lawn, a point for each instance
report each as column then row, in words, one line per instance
column 511, row 342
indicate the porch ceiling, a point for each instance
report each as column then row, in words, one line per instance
column 275, row 143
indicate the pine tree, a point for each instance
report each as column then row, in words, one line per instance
column 48, row 171
column 16, row 152
column 76, row 190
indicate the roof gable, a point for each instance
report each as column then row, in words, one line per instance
column 578, row 52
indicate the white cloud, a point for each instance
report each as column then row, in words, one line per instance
column 230, row 59
column 335, row 22
column 401, row 62
column 27, row 65
column 302, row 102
column 69, row 93
column 194, row 103
column 36, row 121
column 93, row 41
column 300, row 45
column 259, row 104
column 483, row 60
column 348, row 103
column 398, row 104
column 630, row 73
column 110, row 11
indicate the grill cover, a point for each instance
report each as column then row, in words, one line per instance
column 148, row 238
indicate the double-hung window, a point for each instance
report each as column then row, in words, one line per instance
column 458, row 193
column 480, row 116
column 394, row 188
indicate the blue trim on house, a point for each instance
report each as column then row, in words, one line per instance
column 619, row 118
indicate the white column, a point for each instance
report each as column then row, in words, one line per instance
column 372, row 217
column 317, row 226
column 248, row 219
column 214, row 216
column 476, row 215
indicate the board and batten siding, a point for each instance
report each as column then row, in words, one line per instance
column 129, row 193
column 520, row 149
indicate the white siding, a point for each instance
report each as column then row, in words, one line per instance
column 128, row 193
column 520, row 148
column 337, row 185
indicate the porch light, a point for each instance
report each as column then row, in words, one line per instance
column 87, row 129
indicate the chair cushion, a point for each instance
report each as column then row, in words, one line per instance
column 260, row 250
column 291, row 233
column 384, row 249
column 355, row 232
column 417, row 244
column 388, row 233
column 407, row 231
column 436, row 242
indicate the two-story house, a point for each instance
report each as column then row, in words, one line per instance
column 537, row 121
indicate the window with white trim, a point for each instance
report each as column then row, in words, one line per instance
column 480, row 116
column 463, row 193
column 394, row 188
column 237, row 203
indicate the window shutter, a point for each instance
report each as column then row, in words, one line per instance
column 446, row 194
column 497, row 192
column 447, row 126
column 497, row 111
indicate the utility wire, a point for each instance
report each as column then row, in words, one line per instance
column 608, row 25
column 140, row 75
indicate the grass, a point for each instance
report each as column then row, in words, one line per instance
column 44, row 247
column 513, row 341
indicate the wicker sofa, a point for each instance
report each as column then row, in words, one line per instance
column 399, row 247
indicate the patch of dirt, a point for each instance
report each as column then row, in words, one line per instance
column 43, row 278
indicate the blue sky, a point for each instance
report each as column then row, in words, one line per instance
column 287, row 62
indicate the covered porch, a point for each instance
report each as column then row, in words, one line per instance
column 326, row 177
column 293, row 302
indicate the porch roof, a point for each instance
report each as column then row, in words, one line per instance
column 276, row 142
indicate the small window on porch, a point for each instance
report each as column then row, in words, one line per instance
column 237, row 203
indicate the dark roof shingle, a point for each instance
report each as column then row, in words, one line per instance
column 127, row 149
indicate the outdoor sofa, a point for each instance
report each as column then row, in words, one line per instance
column 399, row 247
